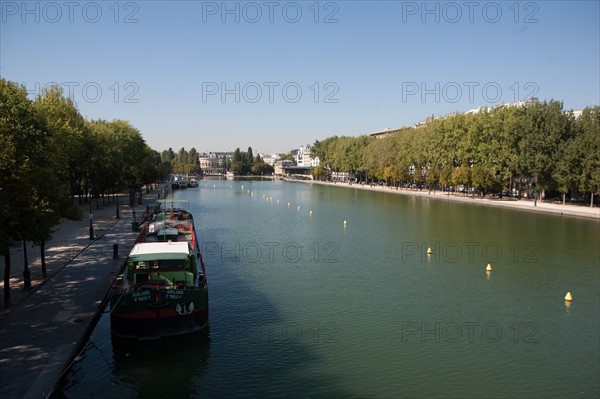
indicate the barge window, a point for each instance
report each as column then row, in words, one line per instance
column 160, row 264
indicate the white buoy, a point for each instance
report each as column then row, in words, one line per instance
column 278, row 201
column 429, row 251
column 289, row 204
column 488, row 268
column 569, row 297
column 345, row 222
column 214, row 185
column 242, row 186
column 310, row 213
column 298, row 207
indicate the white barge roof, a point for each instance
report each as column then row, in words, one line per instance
column 147, row 251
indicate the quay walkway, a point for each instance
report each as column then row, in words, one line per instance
column 46, row 326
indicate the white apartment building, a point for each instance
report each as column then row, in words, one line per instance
column 303, row 157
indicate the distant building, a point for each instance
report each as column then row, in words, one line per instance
column 303, row 157
column 213, row 163
column 529, row 101
column 384, row 133
column 577, row 113
column 281, row 166
column 269, row 158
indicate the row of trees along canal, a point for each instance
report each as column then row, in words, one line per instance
column 49, row 155
column 539, row 146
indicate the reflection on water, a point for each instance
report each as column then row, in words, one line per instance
column 164, row 367
column 304, row 305
column 116, row 367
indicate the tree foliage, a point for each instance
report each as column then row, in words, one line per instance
column 50, row 153
column 540, row 144
column 244, row 164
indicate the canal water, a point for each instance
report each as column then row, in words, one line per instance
column 303, row 305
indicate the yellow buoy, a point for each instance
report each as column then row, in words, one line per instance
column 488, row 268
column 429, row 251
column 568, row 297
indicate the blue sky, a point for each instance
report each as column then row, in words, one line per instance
column 276, row 74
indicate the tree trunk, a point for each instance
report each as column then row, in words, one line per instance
column 564, row 198
column 7, row 301
column 26, row 271
column 43, row 257
column 592, row 201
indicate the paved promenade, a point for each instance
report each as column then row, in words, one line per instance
column 46, row 326
column 527, row 205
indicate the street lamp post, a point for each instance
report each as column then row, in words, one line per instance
column 91, row 217
column 117, row 197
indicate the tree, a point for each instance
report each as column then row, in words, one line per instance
column 319, row 173
column 21, row 133
column 131, row 162
column 68, row 132
column 237, row 165
column 50, row 152
column 481, row 178
column 588, row 125
column 167, row 155
column 31, row 197
column 260, row 167
column 544, row 128
column 462, row 176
